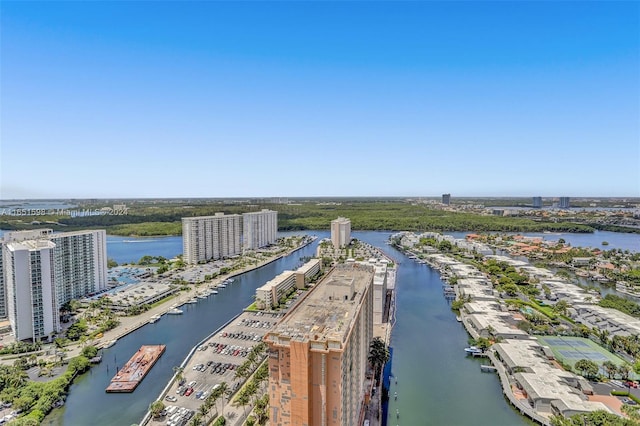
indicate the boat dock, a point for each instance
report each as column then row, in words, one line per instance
column 130, row 376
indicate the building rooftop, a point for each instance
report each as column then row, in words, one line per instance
column 31, row 245
column 327, row 311
column 276, row 280
column 72, row 233
column 308, row 266
column 215, row 216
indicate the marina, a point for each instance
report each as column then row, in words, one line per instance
column 134, row 371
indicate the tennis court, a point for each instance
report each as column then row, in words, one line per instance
column 572, row 349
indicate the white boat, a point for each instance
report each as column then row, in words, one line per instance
column 109, row 344
column 473, row 350
column 193, row 300
column 174, row 311
column 214, row 292
column 201, row 296
column 154, row 319
column 222, row 286
column 458, row 319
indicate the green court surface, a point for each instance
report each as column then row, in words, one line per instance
column 572, row 349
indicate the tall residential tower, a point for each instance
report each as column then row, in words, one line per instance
column 64, row 266
column 318, row 352
column 211, row 237
column 340, row 232
column 30, row 288
column 259, row 229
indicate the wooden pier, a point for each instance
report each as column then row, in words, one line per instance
column 130, row 376
column 488, row 368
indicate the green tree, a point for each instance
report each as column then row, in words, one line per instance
column 89, row 351
column 445, row 246
column 378, row 355
column 179, row 372
column 561, row 307
column 610, row 368
column 156, row 408
column 510, row 288
column 624, row 370
column 223, row 390
column 587, row 367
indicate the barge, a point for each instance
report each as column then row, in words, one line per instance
column 130, row 376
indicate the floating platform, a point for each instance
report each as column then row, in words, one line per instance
column 488, row 368
column 130, row 376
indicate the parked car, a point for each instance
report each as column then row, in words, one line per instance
column 171, row 398
column 188, row 392
column 629, row 401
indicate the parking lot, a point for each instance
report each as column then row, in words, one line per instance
column 214, row 362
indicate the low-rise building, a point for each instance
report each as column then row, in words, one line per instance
column 489, row 320
column 306, row 272
column 547, row 388
column 270, row 293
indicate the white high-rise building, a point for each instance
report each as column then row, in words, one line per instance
column 211, row 237
column 78, row 269
column 80, row 263
column 259, row 229
column 340, row 232
column 29, row 274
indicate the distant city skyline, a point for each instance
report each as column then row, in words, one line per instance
column 311, row 99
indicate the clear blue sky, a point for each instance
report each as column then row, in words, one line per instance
column 223, row 99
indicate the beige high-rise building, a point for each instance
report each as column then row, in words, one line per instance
column 340, row 232
column 318, row 352
column 211, row 237
column 259, row 229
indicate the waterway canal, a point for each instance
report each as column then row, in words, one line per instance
column 437, row 383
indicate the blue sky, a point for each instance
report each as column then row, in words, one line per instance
column 236, row 99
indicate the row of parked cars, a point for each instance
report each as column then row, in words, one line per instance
column 232, row 350
column 242, row 336
column 255, row 323
column 177, row 416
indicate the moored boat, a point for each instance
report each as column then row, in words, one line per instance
column 109, row 344
column 473, row 350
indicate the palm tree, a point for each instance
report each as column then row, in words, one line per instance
column 624, row 370
column 223, row 389
column 378, row 355
column 243, row 400
column 179, row 372
column 610, row 368
column 156, row 408
column 203, row 410
column 261, row 409
column 196, row 420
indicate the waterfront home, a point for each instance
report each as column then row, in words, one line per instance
column 615, row 322
column 489, row 319
column 548, row 389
